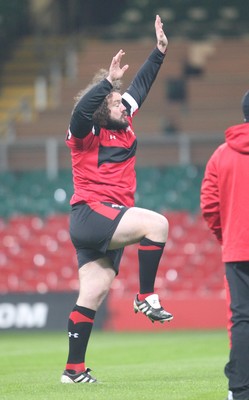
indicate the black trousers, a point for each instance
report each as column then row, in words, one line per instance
column 237, row 369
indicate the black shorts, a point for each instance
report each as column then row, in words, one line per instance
column 92, row 226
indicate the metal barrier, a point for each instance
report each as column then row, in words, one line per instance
column 52, row 154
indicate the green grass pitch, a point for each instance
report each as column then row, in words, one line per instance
column 181, row 365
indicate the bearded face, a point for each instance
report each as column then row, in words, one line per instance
column 112, row 113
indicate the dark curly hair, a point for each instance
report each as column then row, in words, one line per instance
column 101, row 115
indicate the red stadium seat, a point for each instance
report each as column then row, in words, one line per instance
column 37, row 255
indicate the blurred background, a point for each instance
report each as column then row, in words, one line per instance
column 49, row 50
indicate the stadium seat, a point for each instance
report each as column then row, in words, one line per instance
column 39, row 246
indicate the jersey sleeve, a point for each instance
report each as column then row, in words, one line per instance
column 138, row 90
column 81, row 119
column 210, row 204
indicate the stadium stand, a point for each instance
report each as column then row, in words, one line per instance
column 199, row 92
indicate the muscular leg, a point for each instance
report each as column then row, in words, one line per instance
column 95, row 280
column 151, row 230
column 96, row 277
column 138, row 223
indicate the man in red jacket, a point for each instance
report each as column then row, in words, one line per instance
column 225, row 207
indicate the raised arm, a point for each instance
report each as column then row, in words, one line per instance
column 141, row 85
column 116, row 72
column 162, row 41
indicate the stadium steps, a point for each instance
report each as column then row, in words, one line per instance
column 29, row 60
column 13, row 99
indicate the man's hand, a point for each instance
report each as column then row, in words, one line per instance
column 162, row 41
column 115, row 71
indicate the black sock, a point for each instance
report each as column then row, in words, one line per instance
column 80, row 325
column 149, row 255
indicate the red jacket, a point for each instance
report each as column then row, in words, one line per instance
column 225, row 194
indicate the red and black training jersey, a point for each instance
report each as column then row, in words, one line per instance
column 103, row 161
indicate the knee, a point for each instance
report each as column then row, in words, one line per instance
column 92, row 299
column 159, row 229
column 164, row 225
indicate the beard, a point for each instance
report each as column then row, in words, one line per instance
column 116, row 124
